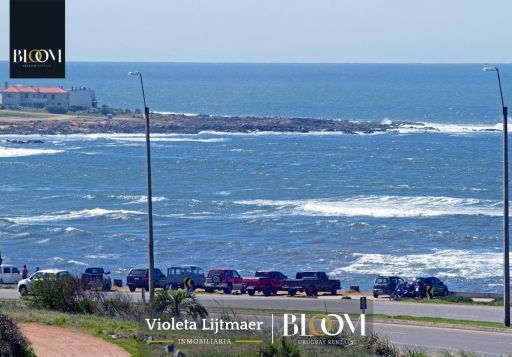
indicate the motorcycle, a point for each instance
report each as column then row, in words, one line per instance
column 398, row 293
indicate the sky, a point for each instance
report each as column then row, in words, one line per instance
column 334, row 31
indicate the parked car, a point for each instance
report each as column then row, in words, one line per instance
column 96, row 278
column 176, row 276
column 24, row 284
column 226, row 280
column 267, row 282
column 386, row 285
column 440, row 288
column 312, row 283
column 9, row 274
column 139, row 278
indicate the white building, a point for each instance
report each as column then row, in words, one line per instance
column 41, row 97
column 82, row 97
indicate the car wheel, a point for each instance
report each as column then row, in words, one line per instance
column 334, row 291
column 192, row 287
column 251, row 292
column 132, row 288
column 376, row 296
column 267, row 291
column 208, row 290
column 23, row 290
column 311, row 291
column 274, row 292
column 292, row 292
column 228, row 290
column 446, row 292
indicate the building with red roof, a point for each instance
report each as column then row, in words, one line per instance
column 34, row 97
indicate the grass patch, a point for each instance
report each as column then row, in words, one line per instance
column 439, row 320
column 419, row 319
column 456, row 300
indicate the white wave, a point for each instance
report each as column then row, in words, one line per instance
column 443, row 263
column 139, row 198
column 177, row 113
column 76, row 262
column 71, row 230
column 448, row 128
column 380, row 206
column 165, row 138
column 240, row 150
column 65, row 216
column 102, row 256
column 43, row 241
column 20, row 152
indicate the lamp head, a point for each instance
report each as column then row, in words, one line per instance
column 135, row 73
column 489, row 69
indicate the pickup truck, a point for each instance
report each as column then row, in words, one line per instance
column 267, row 282
column 312, row 283
column 96, row 278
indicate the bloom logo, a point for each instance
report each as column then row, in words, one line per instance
column 321, row 325
column 37, row 38
column 37, row 56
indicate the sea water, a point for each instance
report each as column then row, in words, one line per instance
column 408, row 202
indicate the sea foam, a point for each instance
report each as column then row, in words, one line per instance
column 448, row 263
column 71, row 215
column 378, row 206
column 20, row 152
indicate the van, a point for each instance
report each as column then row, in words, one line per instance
column 9, row 274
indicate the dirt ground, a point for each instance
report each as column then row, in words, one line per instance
column 48, row 341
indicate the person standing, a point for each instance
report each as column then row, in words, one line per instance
column 24, row 272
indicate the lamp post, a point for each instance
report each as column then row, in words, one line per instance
column 151, row 273
column 506, row 272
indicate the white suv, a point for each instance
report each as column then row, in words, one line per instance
column 25, row 283
column 9, row 274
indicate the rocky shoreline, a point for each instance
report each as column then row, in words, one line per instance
column 186, row 124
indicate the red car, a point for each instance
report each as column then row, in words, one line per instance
column 226, row 280
column 268, row 282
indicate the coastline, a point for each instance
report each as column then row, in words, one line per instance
column 186, row 124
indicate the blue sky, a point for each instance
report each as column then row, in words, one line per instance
column 395, row 31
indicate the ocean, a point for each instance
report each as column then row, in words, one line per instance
column 408, row 202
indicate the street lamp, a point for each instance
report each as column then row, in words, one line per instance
column 151, row 273
column 506, row 272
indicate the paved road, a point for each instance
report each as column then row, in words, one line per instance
column 432, row 339
column 336, row 304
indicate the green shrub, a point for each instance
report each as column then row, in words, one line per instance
column 456, row 299
column 56, row 110
column 12, row 341
column 282, row 348
column 118, row 305
column 380, row 346
column 56, row 293
column 177, row 303
column 77, row 108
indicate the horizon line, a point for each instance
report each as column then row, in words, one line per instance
column 260, row 62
